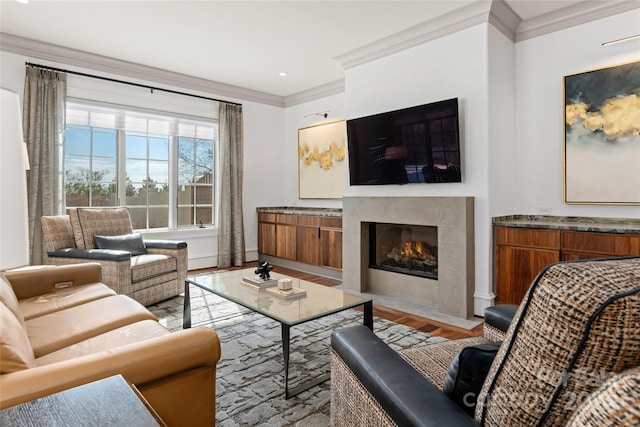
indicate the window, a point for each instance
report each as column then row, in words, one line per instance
column 161, row 166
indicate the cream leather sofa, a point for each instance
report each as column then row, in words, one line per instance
column 61, row 327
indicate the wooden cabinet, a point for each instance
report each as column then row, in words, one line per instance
column 331, row 248
column 267, row 237
column 521, row 253
column 311, row 239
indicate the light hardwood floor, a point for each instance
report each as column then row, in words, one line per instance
column 426, row 325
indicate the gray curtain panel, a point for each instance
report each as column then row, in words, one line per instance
column 43, row 126
column 231, row 247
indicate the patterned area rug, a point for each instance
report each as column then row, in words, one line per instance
column 250, row 374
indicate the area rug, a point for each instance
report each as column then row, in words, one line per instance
column 250, row 374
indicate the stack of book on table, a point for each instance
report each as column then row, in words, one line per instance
column 257, row 282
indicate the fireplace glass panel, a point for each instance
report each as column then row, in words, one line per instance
column 405, row 249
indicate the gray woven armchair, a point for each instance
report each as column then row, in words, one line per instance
column 146, row 270
column 570, row 357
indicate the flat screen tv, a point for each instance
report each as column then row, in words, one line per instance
column 413, row 145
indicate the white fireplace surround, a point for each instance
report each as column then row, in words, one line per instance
column 452, row 293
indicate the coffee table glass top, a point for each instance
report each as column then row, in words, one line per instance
column 320, row 300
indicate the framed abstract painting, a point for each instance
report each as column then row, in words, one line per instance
column 322, row 161
column 602, row 136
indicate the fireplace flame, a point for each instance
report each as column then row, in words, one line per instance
column 413, row 250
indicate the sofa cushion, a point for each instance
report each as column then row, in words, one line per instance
column 63, row 298
column 10, row 301
column 16, row 353
column 616, row 402
column 127, row 242
column 151, row 265
column 467, row 373
column 128, row 334
column 63, row 328
column 579, row 320
column 100, row 221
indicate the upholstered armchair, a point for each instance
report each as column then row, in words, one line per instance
column 146, row 270
column 570, row 357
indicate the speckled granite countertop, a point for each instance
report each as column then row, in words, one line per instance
column 602, row 225
column 294, row 210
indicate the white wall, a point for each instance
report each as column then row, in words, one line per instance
column 295, row 119
column 264, row 176
column 541, row 64
column 451, row 67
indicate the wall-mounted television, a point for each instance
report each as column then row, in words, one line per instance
column 418, row 144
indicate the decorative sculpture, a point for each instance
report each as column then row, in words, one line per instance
column 263, row 270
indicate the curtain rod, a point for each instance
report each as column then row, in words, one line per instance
column 152, row 88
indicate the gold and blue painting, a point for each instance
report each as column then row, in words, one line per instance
column 602, row 136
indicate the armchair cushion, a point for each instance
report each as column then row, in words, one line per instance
column 127, row 242
column 58, row 232
column 100, row 221
column 467, row 373
column 151, row 265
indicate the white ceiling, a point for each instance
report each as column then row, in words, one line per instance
column 240, row 43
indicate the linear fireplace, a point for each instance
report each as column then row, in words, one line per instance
column 450, row 288
column 404, row 248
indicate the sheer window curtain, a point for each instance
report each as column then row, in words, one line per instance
column 43, row 126
column 231, row 247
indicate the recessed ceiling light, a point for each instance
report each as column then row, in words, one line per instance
column 283, row 74
column 23, row 1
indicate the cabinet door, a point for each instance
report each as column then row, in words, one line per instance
column 516, row 267
column 331, row 248
column 267, row 238
column 286, row 241
column 308, row 245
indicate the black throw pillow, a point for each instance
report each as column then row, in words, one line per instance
column 127, row 242
column 467, row 373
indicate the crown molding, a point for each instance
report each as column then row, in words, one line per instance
column 454, row 21
column 580, row 13
column 318, row 92
column 71, row 57
column 504, row 19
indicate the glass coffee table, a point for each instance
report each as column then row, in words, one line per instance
column 320, row 301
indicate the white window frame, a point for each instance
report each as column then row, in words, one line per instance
column 208, row 125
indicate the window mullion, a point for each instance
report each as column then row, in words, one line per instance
column 173, row 182
column 122, row 170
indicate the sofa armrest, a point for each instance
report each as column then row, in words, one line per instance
column 164, row 244
column 97, row 254
column 154, row 360
column 40, row 280
column 405, row 395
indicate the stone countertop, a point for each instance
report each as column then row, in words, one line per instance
column 601, row 225
column 296, row 210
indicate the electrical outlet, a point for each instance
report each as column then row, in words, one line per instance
column 544, row 209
